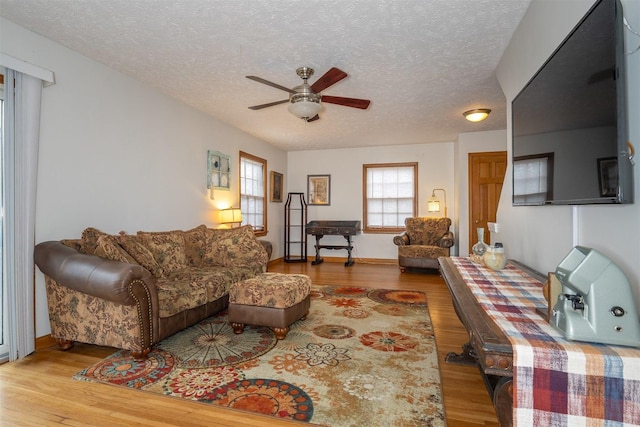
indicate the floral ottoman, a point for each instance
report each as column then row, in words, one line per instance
column 275, row 300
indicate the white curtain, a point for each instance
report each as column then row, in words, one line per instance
column 20, row 157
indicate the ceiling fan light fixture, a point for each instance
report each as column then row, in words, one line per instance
column 476, row 115
column 304, row 108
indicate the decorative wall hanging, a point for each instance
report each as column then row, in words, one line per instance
column 218, row 170
column 319, row 189
column 277, row 180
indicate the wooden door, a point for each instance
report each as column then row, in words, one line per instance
column 486, row 175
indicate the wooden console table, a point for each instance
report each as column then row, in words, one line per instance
column 549, row 380
column 488, row 347
column 334, row 228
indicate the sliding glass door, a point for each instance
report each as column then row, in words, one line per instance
column 4, row 348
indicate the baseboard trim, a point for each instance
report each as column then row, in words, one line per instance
column 381, row 261
column 45, row 341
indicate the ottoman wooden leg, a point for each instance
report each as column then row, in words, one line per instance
column 281, row 333
column 305, row 316
column 238, row 328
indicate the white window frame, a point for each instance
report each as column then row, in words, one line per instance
column 532, row 179
column 253, row 192
column 387, row 198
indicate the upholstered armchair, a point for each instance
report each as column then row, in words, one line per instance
column 423, row 241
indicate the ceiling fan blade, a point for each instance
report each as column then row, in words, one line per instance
column 268, row 83
column 331, row 77
column 271, row 104
column 347, row 102
column 313, row 119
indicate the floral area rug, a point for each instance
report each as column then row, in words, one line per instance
column 362, row 357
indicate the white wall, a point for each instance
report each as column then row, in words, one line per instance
column 542, row 236
column 118, row 155
column 435, row 170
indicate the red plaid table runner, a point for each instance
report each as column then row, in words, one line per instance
column 556, row 382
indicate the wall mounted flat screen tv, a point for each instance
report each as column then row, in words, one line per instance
column 570, row 135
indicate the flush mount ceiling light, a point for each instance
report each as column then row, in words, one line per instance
column 477, row 115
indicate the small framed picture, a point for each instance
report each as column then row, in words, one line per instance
column 608, row 176
column 319, row 189
column 276, row 186
column 218, row 170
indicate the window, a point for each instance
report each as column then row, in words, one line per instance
column 532, row 179
column 253, row 192
column 390, row 195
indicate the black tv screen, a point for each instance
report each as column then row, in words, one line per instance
column 569, row 122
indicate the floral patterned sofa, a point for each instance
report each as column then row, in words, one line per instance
column 131, row 291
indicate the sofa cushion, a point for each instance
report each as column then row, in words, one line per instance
column 194, row 241
column 426, row 231
column 109, row 248
column 89, row 240
column 177, row 296
column 167, row 247
column 141, row 254
column 234, row 247
column 216, row 280
column 422, row 251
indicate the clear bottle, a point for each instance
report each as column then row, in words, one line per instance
column 481, row 247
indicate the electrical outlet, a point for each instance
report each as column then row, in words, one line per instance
column 494, row 227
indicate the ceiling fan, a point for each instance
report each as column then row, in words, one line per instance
column 305, row 99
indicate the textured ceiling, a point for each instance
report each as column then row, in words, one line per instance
column 421, row 63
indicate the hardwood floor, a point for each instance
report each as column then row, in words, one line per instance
column 39, row 391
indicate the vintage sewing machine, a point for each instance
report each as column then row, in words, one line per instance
column 596, row 303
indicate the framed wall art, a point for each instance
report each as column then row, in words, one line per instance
column 277, row 181
column 319, row 190
column 608, row 176
column 218, row 170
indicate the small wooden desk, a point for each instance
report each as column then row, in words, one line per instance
column 335, row 228
column 488, row 347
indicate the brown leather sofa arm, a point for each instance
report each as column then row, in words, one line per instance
column 401, row 240
column 447, row 240
column 90, row 274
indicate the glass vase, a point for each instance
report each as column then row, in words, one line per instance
column 480, row 247
column 495, row 258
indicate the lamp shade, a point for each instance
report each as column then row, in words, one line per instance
column 230, row 216
column 433, row 205
column 304, row 109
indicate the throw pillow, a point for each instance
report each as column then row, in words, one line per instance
column 167, row 247
column 141, row 254
column 194, row 241
column 234, row 247
column 89, row 240
column 109, row 248
column 73, row 243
